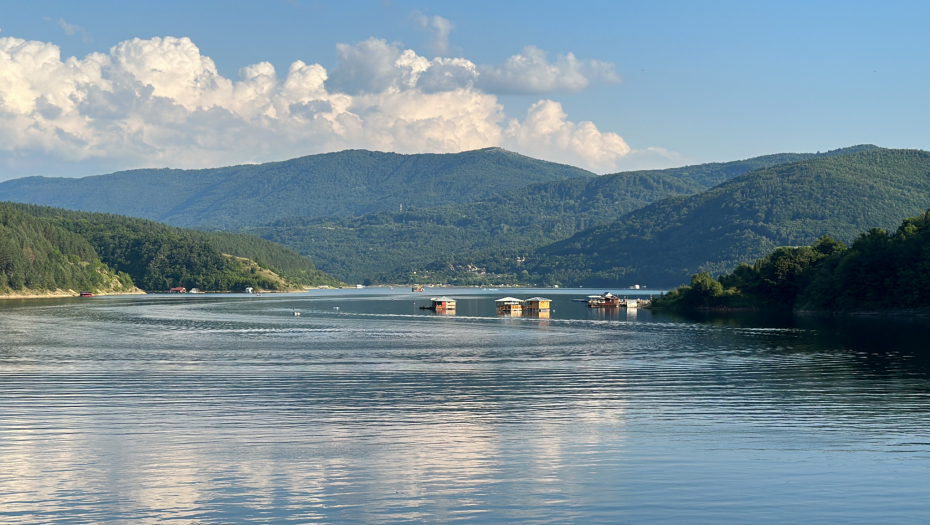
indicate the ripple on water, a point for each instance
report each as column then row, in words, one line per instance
column 221, row 409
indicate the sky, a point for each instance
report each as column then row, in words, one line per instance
column 98, row 86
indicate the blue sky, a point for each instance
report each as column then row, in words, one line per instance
column 680, row 82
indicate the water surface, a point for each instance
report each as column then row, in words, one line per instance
column 225, row 408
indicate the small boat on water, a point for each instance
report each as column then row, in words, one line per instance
column 416, row 288
column 87, row 294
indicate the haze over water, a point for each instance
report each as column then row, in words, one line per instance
column 219, row 408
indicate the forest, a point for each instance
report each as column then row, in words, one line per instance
column 743, row 219
column 880, row 271
column 448, row 243
column 44, row 248
column 346, row 183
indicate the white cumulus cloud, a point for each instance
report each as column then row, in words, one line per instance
column 532, row 72
column 547, row 132
column 439, row 29
column 160, row 102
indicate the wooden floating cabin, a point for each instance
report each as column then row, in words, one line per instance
column 440, row 304
column 509, row 305
column 537, row 304
column 178, row 289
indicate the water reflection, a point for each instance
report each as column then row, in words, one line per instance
column 218, row 409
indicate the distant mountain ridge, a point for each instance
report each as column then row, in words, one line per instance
column 344, row 184
column 386, row 247
column 744, row 219
column 494, row 207
column 347, row 183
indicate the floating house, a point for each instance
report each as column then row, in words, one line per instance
column 509, row 305
column 607, row 300
column 416, row 288
column 442, row 303
column 178, row 289
column 537, row 304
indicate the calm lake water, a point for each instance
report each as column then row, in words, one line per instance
column 228, row 408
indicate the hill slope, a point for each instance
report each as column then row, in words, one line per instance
column 388, row 247
column 384, row 247
column 743, row 219
column 351, row 182
column 39, row 256
column 157, row 257
column 880, row 271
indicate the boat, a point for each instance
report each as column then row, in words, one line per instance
column 87, row 294
column 416, row 288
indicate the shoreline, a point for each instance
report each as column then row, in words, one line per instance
column 905, row 312
column 58, row 294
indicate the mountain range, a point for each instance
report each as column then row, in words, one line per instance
column 347, row 183
column 491, row 216
column 744, row 219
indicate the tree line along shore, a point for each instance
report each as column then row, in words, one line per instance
column 50, row 251
column 881, row 272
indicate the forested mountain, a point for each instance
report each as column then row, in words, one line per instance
column 743, row 219
column 880, row 271
column 495, row 211
column 153, row 256
column 38, row 255
column 388, row 247
column 385, row 247
column 346, row 183
column 713, row 173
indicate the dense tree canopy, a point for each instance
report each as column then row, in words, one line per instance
column 151, row 255
column 441, row 242
column 743, row 219
column 38, row 255
column 880, row 271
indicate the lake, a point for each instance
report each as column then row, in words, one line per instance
column 228, row 408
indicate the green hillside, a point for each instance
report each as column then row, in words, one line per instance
column 346, row 183
column 157, row 257
column 713, row 173
column 386, row 247
column 441, row 242
column 37, row 255
column 880, row 271
column 743, row 219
